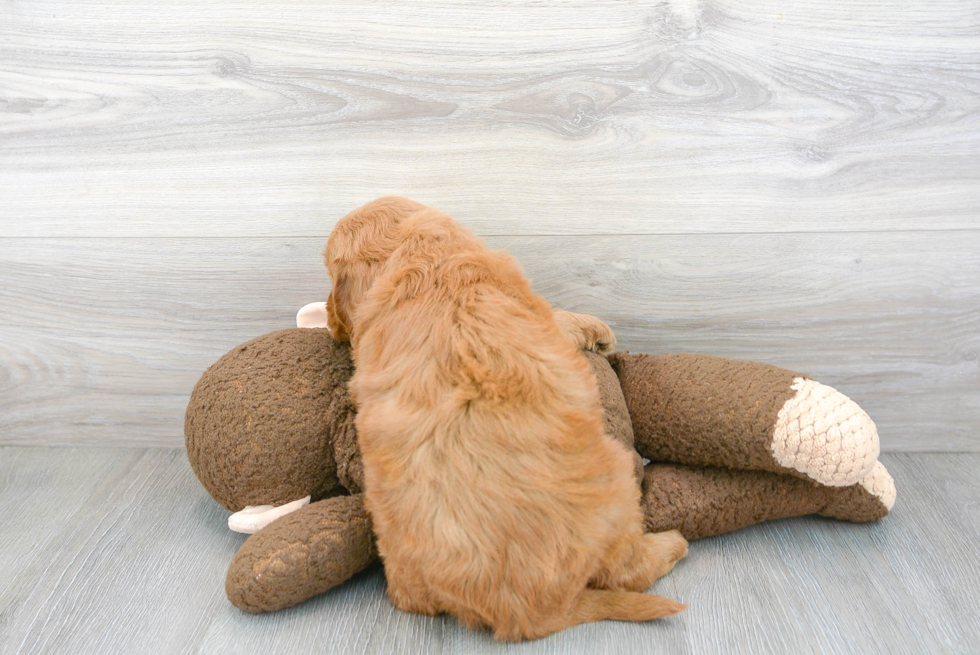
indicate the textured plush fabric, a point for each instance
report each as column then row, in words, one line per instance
column 823, row 434
column 615, row 415
column 851, row 504
column 703, row 501
column 269, row 422
column 272, row 421
column 319, row 546
column 702, row 410
column 301, row 555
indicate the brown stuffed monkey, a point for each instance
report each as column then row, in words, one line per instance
column 270, row 426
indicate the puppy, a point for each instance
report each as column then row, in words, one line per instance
column 495, row 494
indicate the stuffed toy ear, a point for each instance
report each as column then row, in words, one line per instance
column 710, row 411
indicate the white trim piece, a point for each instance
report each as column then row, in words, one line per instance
column 255, row 517
column 312, row 315
column 879, row 483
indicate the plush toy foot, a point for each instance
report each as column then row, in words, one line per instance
column 824, row 434
column 710, row 411
column 303, row 554
column 255, row 517
column 700, row 502
column 865, row 500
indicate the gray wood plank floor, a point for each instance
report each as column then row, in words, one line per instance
column 115, row 550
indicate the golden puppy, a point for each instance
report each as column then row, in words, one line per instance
column 495, row 494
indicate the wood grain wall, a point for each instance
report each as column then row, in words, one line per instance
column 792, row 182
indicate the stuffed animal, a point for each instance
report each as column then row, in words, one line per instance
column 270, row 428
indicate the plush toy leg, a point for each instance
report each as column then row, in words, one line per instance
column 701, row 502
column 301, row 555
column 855, row 504
column 710, row 411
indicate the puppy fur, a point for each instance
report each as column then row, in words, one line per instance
column 495, row 494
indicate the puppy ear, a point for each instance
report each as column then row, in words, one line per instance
column 338, row 310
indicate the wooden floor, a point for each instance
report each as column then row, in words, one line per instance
column 120, row 550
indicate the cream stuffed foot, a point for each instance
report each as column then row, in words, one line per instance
column 255, row 517
column 823, row 434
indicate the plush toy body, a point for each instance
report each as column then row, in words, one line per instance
column 731, row 444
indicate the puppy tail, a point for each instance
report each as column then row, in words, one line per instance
column 599, row 605
column 594, row 605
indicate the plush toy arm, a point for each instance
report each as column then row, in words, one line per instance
column 302, row 554
column 710, row 411
column 701, row 502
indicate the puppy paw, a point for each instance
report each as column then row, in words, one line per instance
column 586, row 332
column 599, row 337
column 663, row 551
column 655, row 557
column 671, row 544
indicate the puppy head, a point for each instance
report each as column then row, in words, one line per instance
column 360, row 243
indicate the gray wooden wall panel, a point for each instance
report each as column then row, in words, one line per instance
column 793, row 182
column 102, row 340
column 221, row 118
